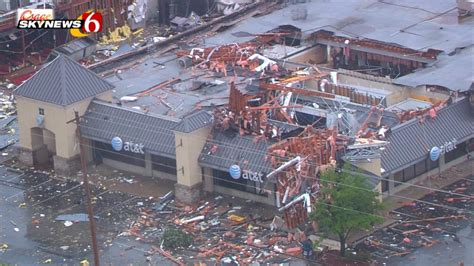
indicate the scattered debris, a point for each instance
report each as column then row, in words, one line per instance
column 68, row 223
column 3, row 247
column 76, row 217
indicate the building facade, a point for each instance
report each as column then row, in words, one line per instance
column 192, row 152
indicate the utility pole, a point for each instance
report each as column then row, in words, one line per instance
column 90, row 212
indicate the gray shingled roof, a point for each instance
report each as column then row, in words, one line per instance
column 63, row 81
column 194, row 121
column 103, row 121
column 411, row 141
column 235, row 149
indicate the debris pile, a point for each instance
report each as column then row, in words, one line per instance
column 422, row 114
column 221, row 231
column 216, row 58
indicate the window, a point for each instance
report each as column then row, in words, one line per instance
column 456, row 153
column 105, row 150
column 470, row 144
column 432, row 164
column 224, row 179
column 409, row 173
column 41, row 111
column 164, row 164
column 398, row 177
column 420, row 168
column 384, row 185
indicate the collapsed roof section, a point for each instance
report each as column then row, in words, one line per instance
column 375, row 47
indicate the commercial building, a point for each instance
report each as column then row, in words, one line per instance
column 261, row 118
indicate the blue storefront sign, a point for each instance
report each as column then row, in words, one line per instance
column 234, row 171
column 435, row 152
column 119, row 145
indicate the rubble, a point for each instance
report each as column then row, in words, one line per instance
column 221, row 231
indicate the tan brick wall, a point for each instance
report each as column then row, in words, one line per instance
column 55, row 120
column 188, row 149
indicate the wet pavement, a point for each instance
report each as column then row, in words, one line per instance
column 129, row 227
column 29, row 205
column 435, row 230
column 30, row 234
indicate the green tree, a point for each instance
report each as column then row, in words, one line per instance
column 346, row 203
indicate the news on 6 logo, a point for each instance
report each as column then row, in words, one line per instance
column 87, row 23
column 91, row 22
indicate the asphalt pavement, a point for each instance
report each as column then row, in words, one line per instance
column 434, row 230
column 31, row 235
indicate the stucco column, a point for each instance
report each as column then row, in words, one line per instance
column 189, row 172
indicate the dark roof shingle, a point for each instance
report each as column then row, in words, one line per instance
column 63, row 81
column 194, row 122
column 411, row 141
column 235, row 149
column 103, row 121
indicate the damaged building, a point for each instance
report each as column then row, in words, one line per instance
column 260, row 109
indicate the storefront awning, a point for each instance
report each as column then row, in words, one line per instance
column 411, row 141
column 229, row 148
column 103, row 122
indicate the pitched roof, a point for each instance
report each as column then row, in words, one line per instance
column 103, row 121
column 63, row 81
column 194, row 121
column 411, row 141
column 235, row 149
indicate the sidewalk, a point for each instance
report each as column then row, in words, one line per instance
column 133, row 184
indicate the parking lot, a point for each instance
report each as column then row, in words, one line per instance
column 30, row 233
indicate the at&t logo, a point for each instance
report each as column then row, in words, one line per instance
column 236, row 173
column 119, row 145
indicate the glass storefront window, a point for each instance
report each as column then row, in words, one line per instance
column 432, row 164
column 456, row 153
column 421, row 168
column 409, row 173
column 384, row 185
column 470, row 145
column 224, row 179
column 163, row 164
column 105, row 150
column 398, row 177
